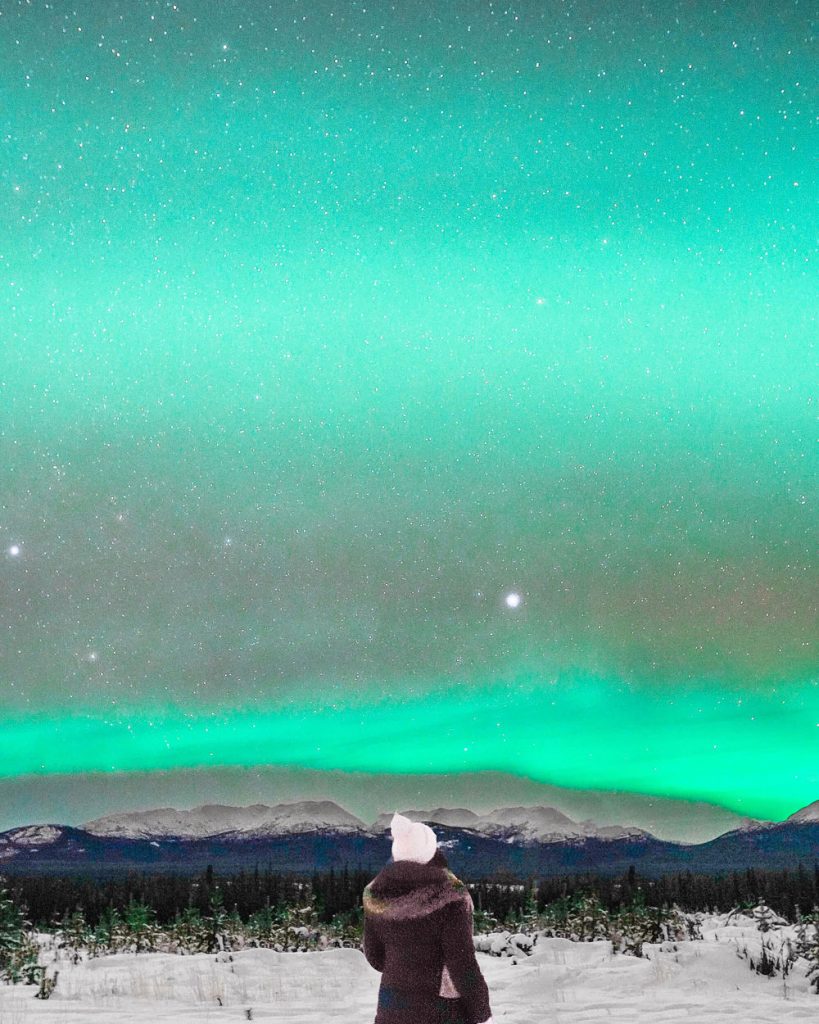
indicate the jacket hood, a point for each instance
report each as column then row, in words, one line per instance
column 404, row 889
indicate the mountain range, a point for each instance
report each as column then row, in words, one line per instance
column 312, row 835
column 212, row 820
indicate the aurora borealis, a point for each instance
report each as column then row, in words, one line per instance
column 326, row 327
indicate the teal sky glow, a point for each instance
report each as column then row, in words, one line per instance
column 325, row 327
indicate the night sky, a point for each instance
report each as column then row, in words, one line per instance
column 410, row 388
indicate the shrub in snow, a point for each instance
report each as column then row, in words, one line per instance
column 780, row 947
column 768, row 962
column 583, row 918
column 505, row 943
column 691, row 922
column 522, row 943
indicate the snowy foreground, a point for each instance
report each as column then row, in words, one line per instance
column 706, row 980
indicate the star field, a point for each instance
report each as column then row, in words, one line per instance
column 459, row 355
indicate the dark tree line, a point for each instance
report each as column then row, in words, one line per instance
column 333, row 894
column 786, row 891
column 48, row 899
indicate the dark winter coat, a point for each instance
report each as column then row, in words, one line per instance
column 418, row 933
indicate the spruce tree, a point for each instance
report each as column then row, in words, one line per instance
column 530, row 917
column 215, row 922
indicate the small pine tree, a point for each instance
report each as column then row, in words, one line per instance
column 190, row 931
column 810, row 951
column 555, row 917
column 804, row 934
column 109, row 934
column 587, row 918
column 18, row 951
column 74, row 931
column 215, row 922
column 139, row 919
column 764, row 917
column 635, row 925
column 484, row 921
column 530, row 918
column 260, row 925
column 768, row 963
column 234, row 930
column 306, row 921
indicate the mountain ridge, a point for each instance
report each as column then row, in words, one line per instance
column 533, row 823
column 52, row 849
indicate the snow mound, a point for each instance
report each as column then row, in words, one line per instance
column 248, row 977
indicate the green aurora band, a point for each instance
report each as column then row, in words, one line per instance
column 699, row 744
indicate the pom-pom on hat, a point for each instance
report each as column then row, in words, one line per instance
column 412, row 840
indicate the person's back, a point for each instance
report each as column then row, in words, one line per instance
column 418, row 934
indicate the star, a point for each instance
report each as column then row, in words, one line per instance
column 14, row 550
column 512, row 600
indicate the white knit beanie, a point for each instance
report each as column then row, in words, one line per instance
column 412, row 840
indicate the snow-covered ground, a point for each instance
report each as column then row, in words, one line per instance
column 562, row 981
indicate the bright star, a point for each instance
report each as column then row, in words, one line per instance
column 14, row 550
column 512, row 600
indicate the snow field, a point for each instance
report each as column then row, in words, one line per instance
column 561, row 982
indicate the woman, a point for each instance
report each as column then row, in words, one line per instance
column 418, row 933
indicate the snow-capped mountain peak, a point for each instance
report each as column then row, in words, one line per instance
column 34, row 835
column 535, row 819
column 28, row 838
column 806, row 814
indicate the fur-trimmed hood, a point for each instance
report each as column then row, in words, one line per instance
column 404, row 889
